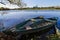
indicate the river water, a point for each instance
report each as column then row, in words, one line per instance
column 10, row 18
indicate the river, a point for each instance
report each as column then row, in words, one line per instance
column 12, row 17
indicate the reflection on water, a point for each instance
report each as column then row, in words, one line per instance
column 13, row 17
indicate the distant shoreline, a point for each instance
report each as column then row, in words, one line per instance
column 34, row 8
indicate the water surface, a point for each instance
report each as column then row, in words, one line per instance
column 12, row 17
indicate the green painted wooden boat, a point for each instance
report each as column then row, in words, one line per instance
column 34, row 25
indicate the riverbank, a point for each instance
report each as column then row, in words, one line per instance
column 34, row 8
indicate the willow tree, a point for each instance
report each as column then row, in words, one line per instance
column 17, row 2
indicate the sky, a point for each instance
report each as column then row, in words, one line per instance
column 40, row 3
column 7, row 4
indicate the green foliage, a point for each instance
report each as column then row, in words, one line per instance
column 2, row 8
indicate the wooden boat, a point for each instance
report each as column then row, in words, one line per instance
column 34, row 26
